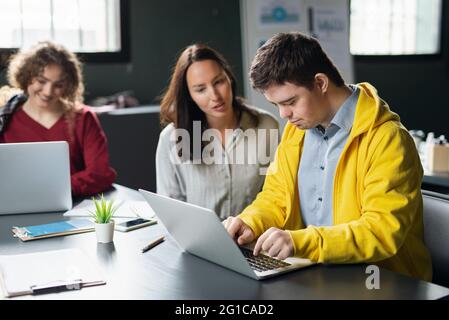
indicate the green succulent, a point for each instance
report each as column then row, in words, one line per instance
column 104, row 210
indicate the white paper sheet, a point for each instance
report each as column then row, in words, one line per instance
column 20, row 272
column 126, row 209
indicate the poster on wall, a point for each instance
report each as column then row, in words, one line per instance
column 329, row 23
column 279, row 14
column 327, row 20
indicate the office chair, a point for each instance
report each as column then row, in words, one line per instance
column 436, row 234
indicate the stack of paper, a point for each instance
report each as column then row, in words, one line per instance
column 125, row 209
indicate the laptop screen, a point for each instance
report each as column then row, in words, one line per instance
column 35, row 177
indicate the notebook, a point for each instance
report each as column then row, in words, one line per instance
column 35, row 177
column 212, row 242
column 47, row 272
column 55, row 229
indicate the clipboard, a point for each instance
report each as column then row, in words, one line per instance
column 47, row 272
column 55, row 229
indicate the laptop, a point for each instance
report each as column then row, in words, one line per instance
column 34, row 177
column 200, row 232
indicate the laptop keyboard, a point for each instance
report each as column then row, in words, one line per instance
column 262, row 262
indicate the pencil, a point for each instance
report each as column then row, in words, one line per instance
column 153, row 244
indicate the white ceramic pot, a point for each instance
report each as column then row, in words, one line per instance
column 105, row 231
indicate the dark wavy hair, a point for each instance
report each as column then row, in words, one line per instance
column 178, row 107
column 291, row 57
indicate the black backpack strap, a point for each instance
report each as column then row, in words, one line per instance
column 10, row 107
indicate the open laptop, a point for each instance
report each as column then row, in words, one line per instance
column 34, row 177
column 199, row 231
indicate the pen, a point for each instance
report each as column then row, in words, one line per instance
column 153, row 244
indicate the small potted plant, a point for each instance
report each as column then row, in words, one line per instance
column 104, row 224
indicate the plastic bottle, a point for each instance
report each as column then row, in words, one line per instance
column 418, row 136
column 441, row 140
column 430, row 143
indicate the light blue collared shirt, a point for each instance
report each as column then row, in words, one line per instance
column 321, row 151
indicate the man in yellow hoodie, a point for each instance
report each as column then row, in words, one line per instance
column 345, row 186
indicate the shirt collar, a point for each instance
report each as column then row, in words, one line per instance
column 247, row 121
column 345, row 115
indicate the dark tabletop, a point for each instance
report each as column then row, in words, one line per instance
column 165, row 272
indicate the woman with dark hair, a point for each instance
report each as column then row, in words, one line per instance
column 51, row 109
column 215, row 149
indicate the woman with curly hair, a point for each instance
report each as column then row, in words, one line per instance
column 51, row 109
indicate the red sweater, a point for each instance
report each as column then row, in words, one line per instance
column 89, row 159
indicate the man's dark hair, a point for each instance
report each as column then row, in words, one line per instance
column 291, row 57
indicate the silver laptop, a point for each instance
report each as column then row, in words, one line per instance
column 34, row 177
column 199, row 231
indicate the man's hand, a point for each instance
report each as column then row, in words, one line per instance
column 239, row 230
column 277, row 243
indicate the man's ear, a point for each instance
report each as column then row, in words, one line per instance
column 322, row 82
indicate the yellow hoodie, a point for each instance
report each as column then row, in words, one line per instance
column 377, row 201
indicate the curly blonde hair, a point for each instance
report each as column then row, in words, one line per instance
column 28, row 64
